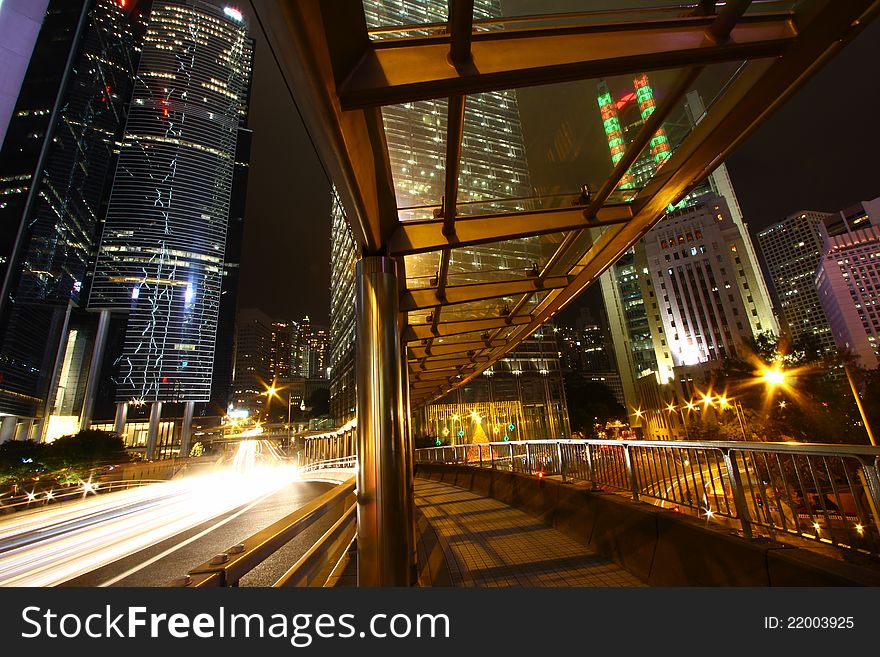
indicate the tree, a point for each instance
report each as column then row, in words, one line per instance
column 85, row 450
column 814, row 404
column 20, row 460
column 318, row 403
column 589, row 403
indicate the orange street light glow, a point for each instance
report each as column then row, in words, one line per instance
column 774, row 377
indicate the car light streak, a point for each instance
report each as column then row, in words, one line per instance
column 56, row 543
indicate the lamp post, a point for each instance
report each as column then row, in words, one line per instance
column 855, row 392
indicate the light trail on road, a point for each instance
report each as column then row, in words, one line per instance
column 57, row 543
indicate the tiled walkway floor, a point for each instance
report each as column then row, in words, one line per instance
column 488, row 543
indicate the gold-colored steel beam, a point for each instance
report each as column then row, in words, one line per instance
column 421, row 236
column 396, row 71
column 424, row 298
column 416, row 332
column 419, row 351
column 763, row 85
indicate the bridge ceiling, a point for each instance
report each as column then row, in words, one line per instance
column 462, row 147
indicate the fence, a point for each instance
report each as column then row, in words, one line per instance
column 824, row 493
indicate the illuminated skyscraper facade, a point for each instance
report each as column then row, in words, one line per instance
column 848, row 285
column 54, row 166
column 343, row 257
column 162, row 252
column 792, row 250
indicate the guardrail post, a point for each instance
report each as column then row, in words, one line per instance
column 510, row 449
column 872, row 484
column 631, row 473
column 590, row 472
column 559, row 460
column 528, row 460
column 739, row 499
column 480, row 453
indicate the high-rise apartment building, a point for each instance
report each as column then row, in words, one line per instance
column 162, row 254
column 848, row 285
column 54, row 166
column 493, row 167
column 253, row 359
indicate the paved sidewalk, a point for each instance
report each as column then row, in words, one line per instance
column 487, row 543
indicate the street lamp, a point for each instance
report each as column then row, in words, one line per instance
column 774, row 376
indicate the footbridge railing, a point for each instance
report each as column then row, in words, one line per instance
column 824, row 493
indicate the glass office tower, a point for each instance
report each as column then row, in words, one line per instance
column 163, row 247
column 56, row 160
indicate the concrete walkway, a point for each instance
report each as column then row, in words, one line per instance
column 487, row 543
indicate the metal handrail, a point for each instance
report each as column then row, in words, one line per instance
column 343, row 462
column 315, row 566
column 819, row 492
column 227, row 568
column 70, row 492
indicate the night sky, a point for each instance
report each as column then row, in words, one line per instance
column 819, row 151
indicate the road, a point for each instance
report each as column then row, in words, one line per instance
column 147, row 535
column 157, row 564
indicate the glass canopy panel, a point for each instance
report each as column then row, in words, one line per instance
column 421, row 269
column 416, row 137
column 537, row 147
column 384, row 14
column 501, row 261
column 546, row 13
column 477, row 309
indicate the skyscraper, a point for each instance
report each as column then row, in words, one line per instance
column 848, row 285
column 792, row 250
column 162, row 253
column 647, row 338
column 343, row 256
column 253, row 359
column 20, row 22
column 55, row 161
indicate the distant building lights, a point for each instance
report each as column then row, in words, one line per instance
column 233, row 13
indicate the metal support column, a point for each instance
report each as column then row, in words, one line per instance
column 85, row 419
column 121, row 418
column 186, row 431
column 383, row 533
column 49, row 403
column 153, row 434
column 408, row 448
column 7, row 428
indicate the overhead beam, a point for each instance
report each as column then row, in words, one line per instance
column 435, row 364
column 421, row 299
column 416, row 332
column 421, row 236
column 396, row 71
column 418, row 351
